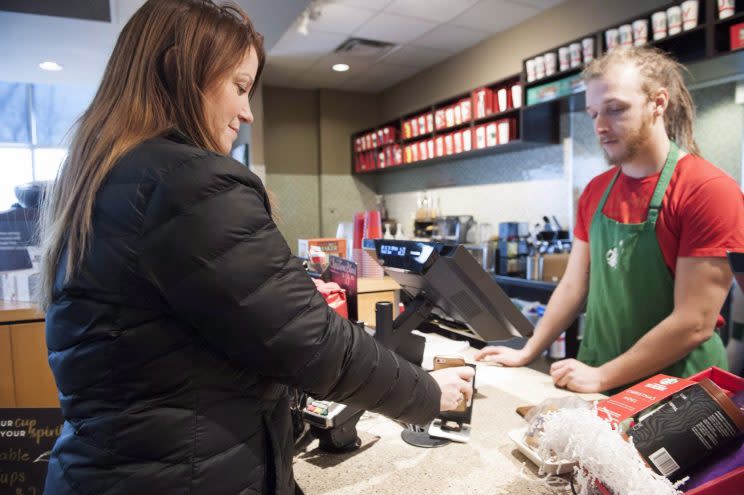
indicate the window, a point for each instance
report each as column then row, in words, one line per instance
column 35, row 124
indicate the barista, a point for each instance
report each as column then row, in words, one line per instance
column 651, row 237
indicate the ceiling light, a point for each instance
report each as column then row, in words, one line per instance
column 302, row 26
column 50, row 66
column 340, row 67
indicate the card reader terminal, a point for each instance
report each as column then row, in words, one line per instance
column 334, row 424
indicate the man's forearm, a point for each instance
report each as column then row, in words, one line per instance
column 563, row 308
column 665, row 344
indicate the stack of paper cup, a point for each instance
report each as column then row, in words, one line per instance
column 659, row 23
column 640, row 32
column 690, row 14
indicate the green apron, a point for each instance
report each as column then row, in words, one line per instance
column 631, row 289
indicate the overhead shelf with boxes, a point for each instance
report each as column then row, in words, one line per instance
column 481, row 121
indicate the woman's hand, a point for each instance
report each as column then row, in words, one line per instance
column 456, row 384
column 504, row 355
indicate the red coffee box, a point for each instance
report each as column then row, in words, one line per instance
column 736, row 33
column 465, row 109
column 448, row 144
column 430, row 122
column 457, row 138
column 503, row 97
column 414, row 127
column 407, row 154
column 491, row 134
column 467, row 141
column 482, row 102
column 458, row 114
column 430, row 148
column 439, row 145
column 398, row 154
column 406, row 129
column 374, row 140
column 423, row 152
column 381, row 163
column 414, row 152
column 422, row 124
column 625, row 407
column 449, row 116
column 439, row 119
column 480, row 137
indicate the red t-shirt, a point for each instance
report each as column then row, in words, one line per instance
column 702, row 213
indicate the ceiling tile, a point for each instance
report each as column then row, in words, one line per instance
column 416, row 56
column 380, row 76
column 394, row 28
column 541, row 4
column 452, row 39
column 315, row 43
column 494, row 15
column 431, row 10
column 356, row 65
column 337, row 18
column 285, row 61
column 367, row 4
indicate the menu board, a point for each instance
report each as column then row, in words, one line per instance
column 26, row 440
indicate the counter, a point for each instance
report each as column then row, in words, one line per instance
column 489, row 464
column 25, row 377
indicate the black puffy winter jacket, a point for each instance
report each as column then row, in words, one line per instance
column 174, row 343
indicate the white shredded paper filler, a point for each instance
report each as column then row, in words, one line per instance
column 602, row 454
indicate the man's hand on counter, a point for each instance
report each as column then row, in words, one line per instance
column 456, row 384
column 505, row 356
column 577, row 376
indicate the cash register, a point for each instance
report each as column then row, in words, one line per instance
column 448, row 289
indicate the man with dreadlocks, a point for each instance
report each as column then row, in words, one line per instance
column 650, row 239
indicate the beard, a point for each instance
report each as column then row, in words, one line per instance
column 635, row 141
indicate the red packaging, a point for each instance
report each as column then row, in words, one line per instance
column 374, row 140
column 430, row 122
column 503, row 97
column 406, row 129
column 480, row 137
column 414, row 128
column 482, row 103
column 492, row 138
column 439, row 145
column 414, row 153
column 430, row 148
column 624, row 406
column 729, row 383
column 458, row 114
column 334, row 295
column 408, row 155
column 381, row 159
column 423, row 152
column 439, row 119
column 457, row 138
column 736, row 37
column 448, row 144
column 449, row 116
column 422, row 124
column 465, row 107
column 727, row 484
column 467, row 142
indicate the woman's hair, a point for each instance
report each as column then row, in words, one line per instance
column 169, row 54
column 658, row 70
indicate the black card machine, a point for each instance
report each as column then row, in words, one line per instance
column 333, row 424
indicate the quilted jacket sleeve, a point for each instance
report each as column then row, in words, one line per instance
column 211, row 248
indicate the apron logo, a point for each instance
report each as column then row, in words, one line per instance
column 613, row 255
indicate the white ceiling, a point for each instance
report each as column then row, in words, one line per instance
column 83, row 47
column 426, row 32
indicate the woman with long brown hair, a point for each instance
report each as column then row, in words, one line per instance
column 177, row 318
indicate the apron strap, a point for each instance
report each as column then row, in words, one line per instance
column 662, row 184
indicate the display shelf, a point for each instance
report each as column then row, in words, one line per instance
column 687, row 46
column 554, row 77
column 497, row 116
column 514, row 145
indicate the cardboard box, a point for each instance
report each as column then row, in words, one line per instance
column 330, row 246
column 554, row 266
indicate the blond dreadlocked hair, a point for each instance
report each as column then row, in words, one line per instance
column 658, row 70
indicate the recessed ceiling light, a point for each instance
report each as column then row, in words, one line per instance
column 340, row 67
column 50, row 66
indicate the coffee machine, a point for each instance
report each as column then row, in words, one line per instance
column 453, row 229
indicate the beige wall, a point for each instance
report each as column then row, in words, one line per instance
column 257, row 128
column 306, row 136
column 501, row 55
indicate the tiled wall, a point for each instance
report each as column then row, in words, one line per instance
column 527, row 184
